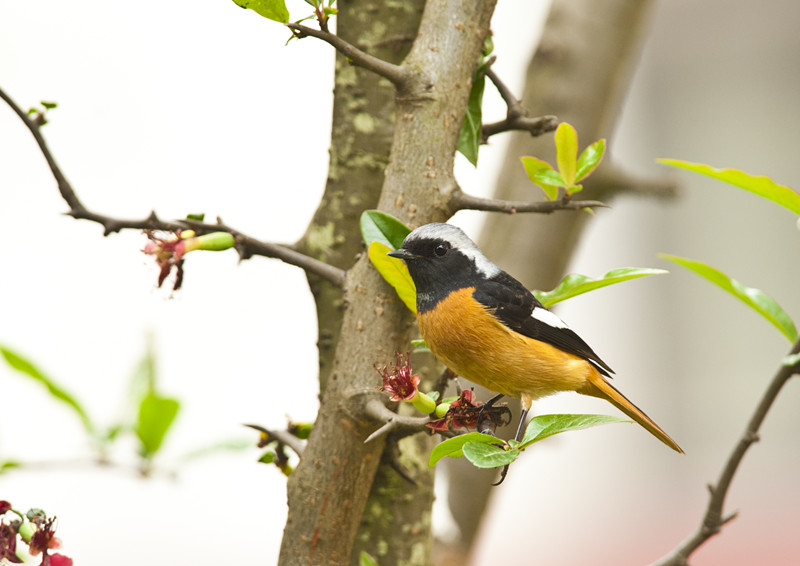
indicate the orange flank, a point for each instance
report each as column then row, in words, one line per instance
column 476, row 345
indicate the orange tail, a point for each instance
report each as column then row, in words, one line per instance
column 597, row 386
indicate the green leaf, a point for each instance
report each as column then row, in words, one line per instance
column 111, row 433
column 543, row 426
column 452, row 447
column 420, row 345
column 396, row 274
column 489, row 455
column 533, row 167
column 365, row 559
column 380, row 227
column 488, row 46
column 27, row 367
column 756, row 299
column 9, row 465
column 576, row 284
column 48, row 105
column 548, row 177
column 268, row 457
column 760, row 185
column 300, row 430
column 567, row 152
column 156, row 415
column 199, row 217
column 271, row 9
column 590, row 159
column 469, row 138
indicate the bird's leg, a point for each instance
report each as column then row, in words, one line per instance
column 483, row 419
column 526, row 407
column 521, row 427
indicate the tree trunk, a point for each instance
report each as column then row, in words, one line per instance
column 361, row 136
column 328, row 491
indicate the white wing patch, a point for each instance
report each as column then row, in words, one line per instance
column 549, row 318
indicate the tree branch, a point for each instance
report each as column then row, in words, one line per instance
column 246, row 246
column 713, row 520
column 463, row 201
column 283, row 437
column 396, row 74
column 63, row 185
column 516, row 114
column 398, row 425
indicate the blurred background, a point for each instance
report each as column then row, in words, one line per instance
column 205, row 110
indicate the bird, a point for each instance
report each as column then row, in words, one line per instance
column 490, row 329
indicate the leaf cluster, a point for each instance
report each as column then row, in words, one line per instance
column 487, row 451
column 277, row 11
column 149, row 415
column 470, row 136
column 572, row 169
column 756, row 299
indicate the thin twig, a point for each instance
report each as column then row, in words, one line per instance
column 516, row 114
column 394, row 73
column 464, row 201
column 536, row 126
column 443, row 381
column 512, row 102
column 713, row 520
column 247, row 246
column 398, row 425
column 63, row 185
column 282, row 437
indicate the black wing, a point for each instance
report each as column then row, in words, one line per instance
column 518, row 309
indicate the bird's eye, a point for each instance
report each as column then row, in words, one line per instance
column 440, row 249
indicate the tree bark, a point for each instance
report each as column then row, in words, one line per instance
column 328, row 491
column 361, row 137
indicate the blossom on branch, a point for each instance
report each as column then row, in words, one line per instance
column 402, row 384
column 467, row 414
column 33, row 528
column 169, row 250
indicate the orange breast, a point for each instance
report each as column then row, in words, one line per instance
column 466, row 337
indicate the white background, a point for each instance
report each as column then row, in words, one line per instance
column 203, row 109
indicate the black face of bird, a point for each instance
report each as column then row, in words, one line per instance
column 436, row 263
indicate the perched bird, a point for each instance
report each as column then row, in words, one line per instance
column 488, row 328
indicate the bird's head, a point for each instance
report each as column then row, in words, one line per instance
column 441, row 256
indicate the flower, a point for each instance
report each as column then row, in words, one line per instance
column 403, row 385
column 466, row 413
column 8, row 544
column 36, row 530
column 169, row 250
column 169, row 253
column 60, row 560
column 43, row 537
column 399, row 382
